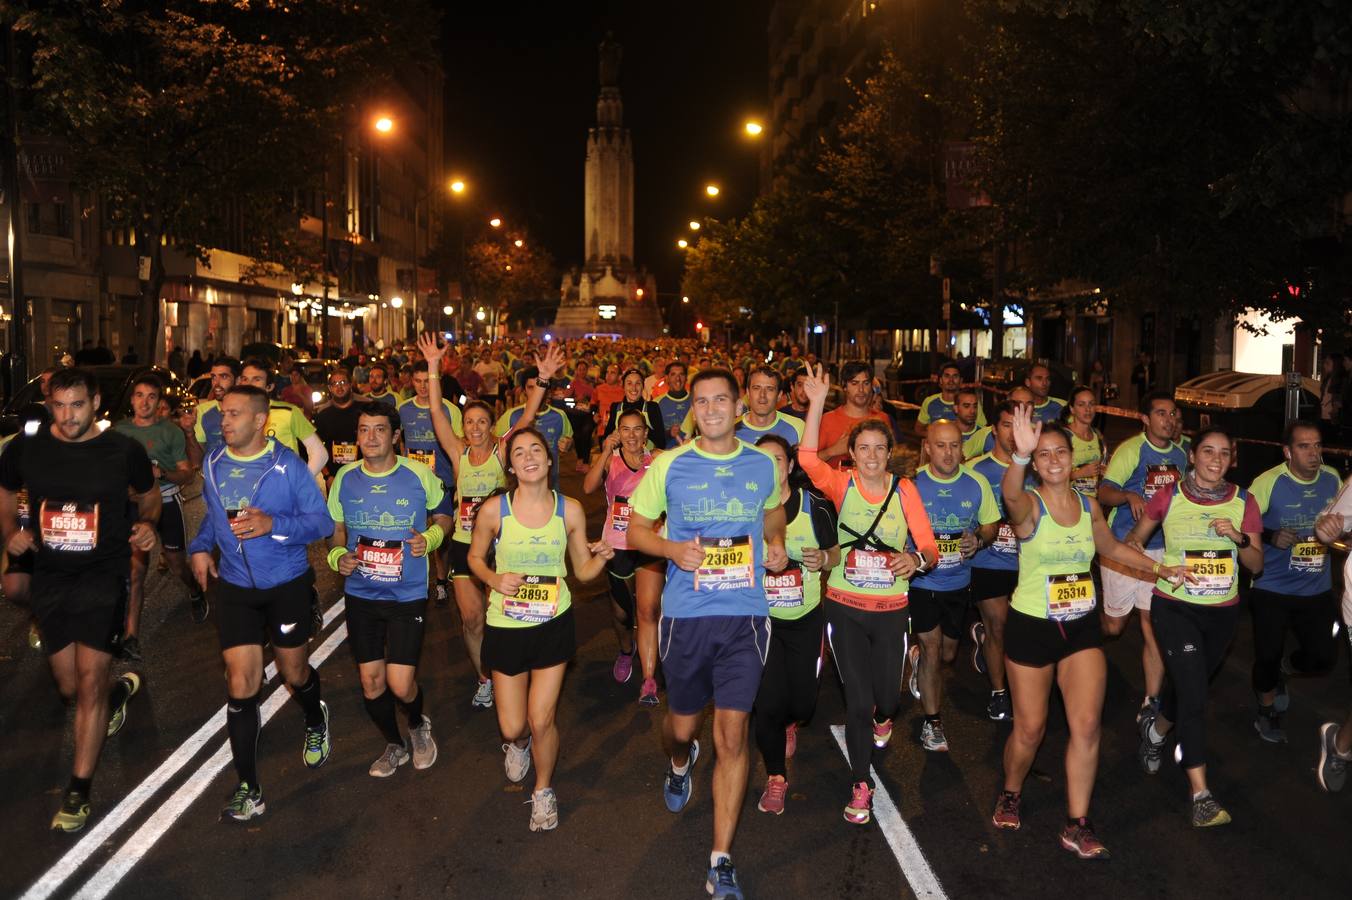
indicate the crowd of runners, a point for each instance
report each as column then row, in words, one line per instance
column 749, row 533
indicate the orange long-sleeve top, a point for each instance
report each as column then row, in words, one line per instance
column 833, row 482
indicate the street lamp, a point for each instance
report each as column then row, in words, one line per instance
column 495, row 222
column 457, row 186
column 518, row 242
column 753, row 128
column 685, row 299
column 448, row 310
column 383, row 124
column 711, row 189
column 480, row 314
column 396, row 302
column 694, row 225
column 682, row 243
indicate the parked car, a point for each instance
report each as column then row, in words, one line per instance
column 115, row 384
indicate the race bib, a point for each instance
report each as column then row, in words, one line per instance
column 1087, row 486
column 1214, row 571
column 728, row 565
column 344, row 453
column 950, row 552
column 868, row 569
column 1069, row 596
column 1307, row 554
column 784, row 589
column 380, row 560
column 464, row 519
column 1005, row 541
column 619, row 514
column 1158, row 478
column 70, row 527
column 427, row 459
column 536, row 600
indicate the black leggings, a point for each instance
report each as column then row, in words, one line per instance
column 622, row 592
column 1311, row 618
column 584, row 426
column 1193, row 640
column 788, row 687
column 868, row 648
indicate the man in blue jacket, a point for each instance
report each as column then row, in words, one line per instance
column 262, row 508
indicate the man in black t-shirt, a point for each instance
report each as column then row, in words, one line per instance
column 336, row 422
column 83, row 530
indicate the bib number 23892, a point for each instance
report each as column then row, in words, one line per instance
column 728, row 564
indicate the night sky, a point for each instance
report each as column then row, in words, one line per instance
column 521, row 88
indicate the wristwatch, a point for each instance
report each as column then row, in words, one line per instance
column 542, row 383
column 1245, row 542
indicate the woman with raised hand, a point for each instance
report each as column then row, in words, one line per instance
column 1053, row 633
column 867, row 594
column 480, row 466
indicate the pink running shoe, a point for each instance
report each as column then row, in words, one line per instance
column 772, row 801
column 857, row 811
column 648, row 695
column 624, row 667
column 882, row 733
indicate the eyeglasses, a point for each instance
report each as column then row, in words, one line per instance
column 337, row 384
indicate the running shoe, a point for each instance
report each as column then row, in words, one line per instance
column 199, row 606
column 131, row 649
column 979, row 647
column 440, row 596
column 424, row 747
column 1000, row 708
column 913, row 657
column 676, row 788
column 1006, row 813
column 772, row 801
column 623, row 669
column 394, row 756
column 1078, row 837
column 544, row 810
column 857, row 811
column 245, row 804
column 317, row 744
column 73, row 814
column 1332, row 771
column 131, row 682
column 1268, row 724
column 1207, row 811
column 722, row 881
column 1149, row 752
column 647, row 696
column 882, row 733
column 516, row 761
column 932, row 736
column 791, row 740
column 1149, row 703
column 483, row 695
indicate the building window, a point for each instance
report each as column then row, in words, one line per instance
column 52, row 219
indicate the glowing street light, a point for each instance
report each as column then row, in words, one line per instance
column 396, row 302
column 711, row 189
column 518, row 242
column 384, row 124
column 694, row 225
column 480, row 314
column 495, row 222
column 685, row 299
column 682, row 243
column 457, row 186
column 638, row 292
column 297, row 288
column 447, row 310
column 753, row 128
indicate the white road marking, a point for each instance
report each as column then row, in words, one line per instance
column 105, row 826
column 914, row 867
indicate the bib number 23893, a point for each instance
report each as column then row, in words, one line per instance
column 536, row 600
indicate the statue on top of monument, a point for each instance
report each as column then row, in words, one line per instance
column 610, row 52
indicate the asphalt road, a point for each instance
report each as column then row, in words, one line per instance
column 459, row 828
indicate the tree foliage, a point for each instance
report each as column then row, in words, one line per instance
column 187, row 115
column 501, row 274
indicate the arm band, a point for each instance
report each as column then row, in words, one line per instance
column 335, row 554
column 1020, row 460
column 434, row 535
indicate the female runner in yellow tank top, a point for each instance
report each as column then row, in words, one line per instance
column 1053, row 630
column 475, row 450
